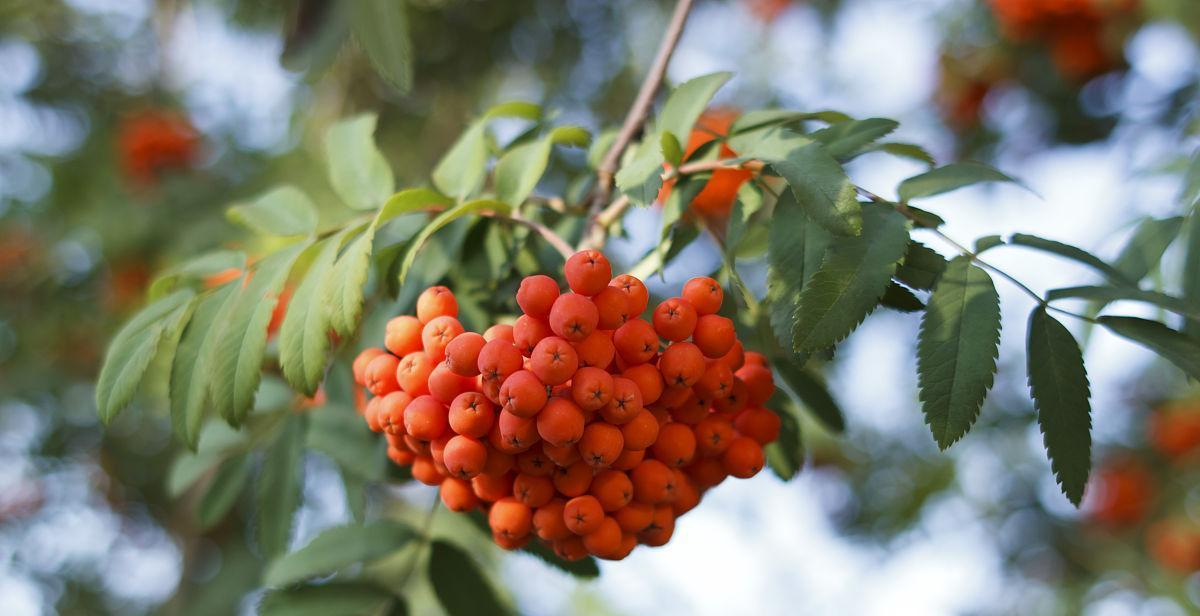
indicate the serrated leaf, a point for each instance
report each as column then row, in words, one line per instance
column 921, row 267
column 358, row 171
column 908, row 150
column 749, row 201
column 761, row 118
column 461, row 171
column 237, row 369
column 672, row 151
column 279, row 485
column 640, row 179
column 131, row 351
column 844, row 140
column 687, row 101
column 195, row 359
column 519, row 170
column 988, row 242
column 304, row 334
column 957, row 348
column 1146, row 246
column 795, row 248
column 1059, row 385
column 281, row 211
column 811, row 393
column 460, row 586
column 785, row 456
column 1175, row 347
column 409, row 201
column 337, row 548
column 822, row 188
column 900, row 299
column 1113, row 294
column 444, row 219
column 343, row 288
column 332, row 599
column 924, row 219
column 216, row 442
column 584, row 568
column 769, row 143
column 673, row 210
column 381, row 29
column 853, row 276
column 1073, row 253
column 223, row 492
column 194, row 269
column 949, row 177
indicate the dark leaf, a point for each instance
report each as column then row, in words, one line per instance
column 223, row 492
column 948, row 178
column 1178, row 348
column 460, row 586
column 381, row 29
column 337, row 548
column 279, row 485
column 900, row 299
column 1059, row 385
column 808, row 391
column 1071, row 252
column 333, row 599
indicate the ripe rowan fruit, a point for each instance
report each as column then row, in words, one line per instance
column 412, row 373
column 462, row 354
column 676, row 445
column 436, row 302
column 560, row 423
column 648, row 380
column 425, row 418
column 636, row 342
column 714, row 336
column 523, row 394
column 605, row 541
column 744, row 457
column 498, row 359
column 536, row 295
column 548, row 521
column 573, row 480
column 687, row 495
column 499, row 331
column 635, row 291
column 662, row 526
column 437, row 334
column 754, row 358
column 597, row 350
column 570, row 549
column 626, row 402
column 706, row 472
column 491, row 488
column 458, row 495
column 561, row 456
column 653, row 482
column 715, row 382
column 380, row 375
column 675, row 319
column 389, row 413
column 359, row 367
column 528, row 331
column 759, row 424
column 510, row 544
column 573, row 317
column 612, row 488
column 735, row 400
column 640, row 432
column 401, row 457
column 517, row 433
column 601, row 444
column 416, row 445
column 403, row 335
column 735, row 358
column 423, row 470
column 445, row 385
column 583, row 514
column 498, row 462
column 674, row 396
column 759, row 383
column 534, row 461
column 553, row 360
column 681, row 365
column 704, row 294
column 634, row 517
column 510, row 518
column 628, row 543
column 533, row 491
column 591, row 388
column 471, row 414
column 464, row 456
column 612, row 306
column 713, row 435
column 587, row 272
column 628, row 459
column 693, row 410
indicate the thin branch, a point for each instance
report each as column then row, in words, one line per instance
column 547, row 233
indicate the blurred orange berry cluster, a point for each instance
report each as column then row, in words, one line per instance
column 1074, row 31
column 153, row 142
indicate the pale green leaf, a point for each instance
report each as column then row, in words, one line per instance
column 224, row 490
column 909, row 151
column 279, row 484
column 461, row 171
column 358, row 171
column 281, row 211
column 1059, row 385
column 1190, row 285
column 195, row 357
column 381, row 29
column 687, row 101
column 444, row 219
column 641, row 178
column 844, row 140
column 194, row 269
column 519, row 170
column 337, row 548
column 948, row 178
column 1146, row 247
column 304, row 334
column 332, row 599
column 342, row 290
column 672, row 151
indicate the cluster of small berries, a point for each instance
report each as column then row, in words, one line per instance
column 575, row 423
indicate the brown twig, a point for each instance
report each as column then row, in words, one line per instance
column 547, row 233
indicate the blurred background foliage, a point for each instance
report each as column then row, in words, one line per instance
column 126, row 127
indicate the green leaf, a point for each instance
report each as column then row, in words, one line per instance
column 513, row 109
column 223, row 492
column 584, row 568
column 795, row 247
column 844, row 140
column 194, row 269
column 921, row 267
column 304, row 335
column 764, row 118
column 462, row 169
column 358, row 171
column 444, row 219
column 1146, row 247
column 948, row 178
column 786, row 455
column 332, row 599
column 281, row 211
column 771, row 143
column 957, row 348
column 1113, row 294
column 409, row 201
column 338, row 548
column 1059, row 385
column 518, row 171
column 641, row 178
column 460, row 586
column 237, row 369
column 909, row 151
column 687, row 101
column 822, row 189
column 342, row 435
column 279, row 486
column 852, row 277
column 216, row 442
column 1175, row 347
column 381, row 29
column 132, row 350
column 924, row 219
column 600, row 147
column 673, row 210
column 342, row 291
column 671, row 150
column 900, row 299
column 1190, row 285
column 1189, row 197
column 1071, row 252
column 808, row 391
column 988, row 242
column 195, row 358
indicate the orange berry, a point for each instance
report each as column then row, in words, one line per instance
column 560, row 422
column 648, row 379
column 628, row 459
column 497, row 360
column 744, row 457
column 601, row 444
column 704, row 294
column 681, row 365
column 573, row 316
column 1175, row 544
column 500, row 331
column 653, row 482
column 736, row 356
column 518, row 433
column 510, row 544
column 759, row 383
column 381, row 375
column 553, row 360
column 605, row 541
column 464, row 456
column 359, row 367
column 457, row 495
column 636, row 341
column 491, row 488
column 445, row 385
column 436, row 302
column 426, row 472
column 562, row 456
column 412, row 373
column 596, row 350
column 706, row 472
column 612, row 306
column 573, row 480
column 716, row 382
column 416, row 445
column 587, row 272
column 641, row 431
column 734, row 401
column 674, row 397
column 628, row 543
column 403, row 335
column 471, row 414
column 533, row 491
column 510, row 518
column 676, row 445
column 498, row 462
column 570, row 549
column 675, row 319
column 754, row 358
column 425, row 418
column 401, row 457
column 591, row 388
column 548, row 521
column 528, row 331
column 583, row 514
column 437, row 334
column 687, row 495
column 635, row 291
column 693, row 410
column 634, row 517
column 534, row 462
column 1120, row 492
column 536, row 295
column 462, row 354
column 759, row 424
column 389, row 416
column 713, row 435
column 523, row 394
column 626, row 402
column 612, row 488
column 714, row 336
column 662, row 526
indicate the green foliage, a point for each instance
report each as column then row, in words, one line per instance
column 900, row 299
column 279, row 486
column 304, row 334
column 223, row 491
column 921, row 267
column 957, row 349
column 1073, row 253
column 381, row 28
column 686, row 102
column 462, row 170
column 584, row 568
column 785, row 456
column 948, row 178
column 907, row 150
column 518, row 171
column 1113, row 294
column 340, row 598
column 796, row 246
column 1178, row 348
column 358, row 172
column 195, row 359
column 844, row 140
column 807, row 390
column 1191, row 263
column 338, row 548
column 1059, row 385
column 443, row 219
column 1146, row 247
column 460, row 586
column 281, row 211
column 822, row 188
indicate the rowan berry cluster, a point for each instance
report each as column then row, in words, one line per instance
column 575, row 423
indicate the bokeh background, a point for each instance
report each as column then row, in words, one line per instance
column 126, row 126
